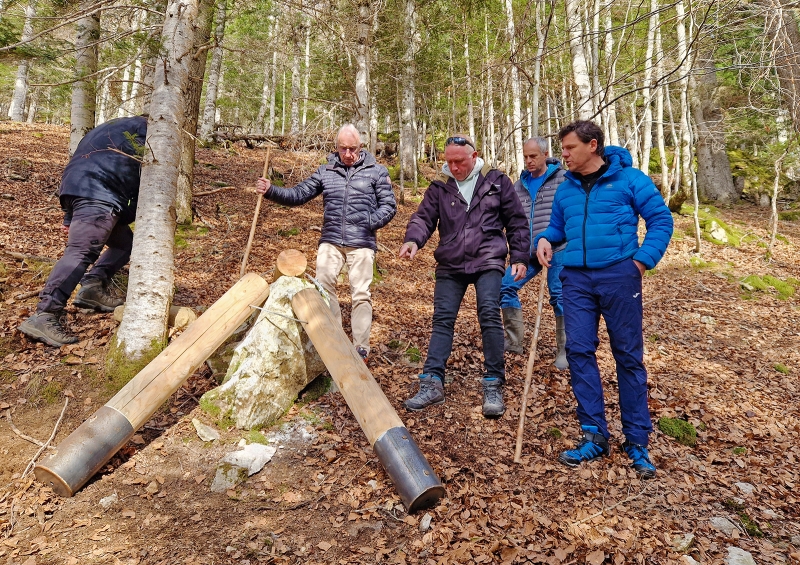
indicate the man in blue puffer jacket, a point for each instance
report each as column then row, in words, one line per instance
column 357, row 200
column 596, row 210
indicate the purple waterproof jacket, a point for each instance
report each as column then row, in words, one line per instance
column 478, row 239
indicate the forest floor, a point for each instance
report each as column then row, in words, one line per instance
column 722, row 356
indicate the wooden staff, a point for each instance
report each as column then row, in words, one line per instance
column 529, row 367
column 255, row 218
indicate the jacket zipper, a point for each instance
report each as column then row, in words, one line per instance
column 344, row 205
column 585, row 214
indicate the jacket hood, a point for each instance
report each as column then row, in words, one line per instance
column 475, row 170
column 617, row 155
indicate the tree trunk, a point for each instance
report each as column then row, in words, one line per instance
column 298, row 36
column 87, row 31
column 662, row 149
column 197, row 70
column 143, row 331
column 714, row 179
column 647, row 91
column 103, row 102
column 610, row 117
column 682, row 190
column 306, row 75
column 492, row 156
column 470, row 109
column 214, row 73
column 16, row 111
column 580, row 68
column 781, row 27
column 122, row 109
column 537, row 71
column 267, row 89
column 273, row 93
column 518, row 164
column 408, row 111
column 364, row 40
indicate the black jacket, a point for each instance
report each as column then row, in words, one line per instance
column 106, row 166
column 357, row 200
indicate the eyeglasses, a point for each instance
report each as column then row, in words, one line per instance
column 462, row 141
column 348, row 149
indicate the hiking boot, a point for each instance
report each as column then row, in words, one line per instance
column 363, row 354
column 47, row 327
column 93, row 294
column 514, row 329
column 493, row 406
column 591, row 446
column 641, row 460
column 431, row 392
column 561, row 342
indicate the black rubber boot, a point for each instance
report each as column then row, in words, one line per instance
column 46, row 327
column 93, row 294
column 514, row 328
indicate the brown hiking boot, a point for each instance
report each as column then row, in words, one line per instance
column 46, row 327
column 93, row 294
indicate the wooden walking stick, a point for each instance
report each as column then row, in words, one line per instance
column 529, row 367
column 255, row 218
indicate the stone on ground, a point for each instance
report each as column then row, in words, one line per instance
column 205, row 432
column 745, row 488
column 722, row 524
column 737, row 556
column 682, row 543
column 273, row 363
column 235, row 467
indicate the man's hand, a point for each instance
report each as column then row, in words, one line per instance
column 640, row 266
column 65, row 229
column 409, row 249
column 544, row 252
column 262, row 185
column 518, row 271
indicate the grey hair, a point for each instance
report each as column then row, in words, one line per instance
column 349, row 127
column 540, row 141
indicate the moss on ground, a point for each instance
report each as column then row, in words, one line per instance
column 755, row 283
column 254, row 436
column 709, row 220
column 781, row 368
column 120, row 369
column 681, row 430
column 414, row 355
column 739, row 450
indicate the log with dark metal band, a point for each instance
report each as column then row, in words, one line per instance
column 412, row 475
column 96, row 441
column 414, row 479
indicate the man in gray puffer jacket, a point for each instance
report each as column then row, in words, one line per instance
column 535, row 188
column 358, row 200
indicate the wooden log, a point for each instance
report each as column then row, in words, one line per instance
column 415, row 480
column 95, row 441
column 290, row 263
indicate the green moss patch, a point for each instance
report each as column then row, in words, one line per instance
column 755, row 283
column 120, row 369
column 679, row 429
column 257, row 437
column 315, row 389
column 555, row 433
column 289, row 233
column 713, row 228
column 781, row 368
column 789, row 216
column 413, row 354
column 739, row 450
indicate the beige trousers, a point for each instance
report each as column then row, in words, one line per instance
column 360, row 260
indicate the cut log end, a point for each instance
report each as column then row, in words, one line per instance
column 290, row 263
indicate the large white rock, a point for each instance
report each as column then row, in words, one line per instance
column 237, row 466
column 737, row 556
column 274, row 362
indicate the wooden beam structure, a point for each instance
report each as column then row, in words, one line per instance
column 95, row 441
column 412, row 475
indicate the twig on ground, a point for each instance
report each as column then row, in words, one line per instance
column 29, row 294
column 47, row 443
column 207, row 192
column 600, row 513
column 20, row 434
column 25, row 256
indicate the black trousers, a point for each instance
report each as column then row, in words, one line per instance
column 94, row 225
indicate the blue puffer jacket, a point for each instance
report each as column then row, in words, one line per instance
column 356, row 201
column 601, row 226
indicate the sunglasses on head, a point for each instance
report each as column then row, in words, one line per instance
column 462, row 141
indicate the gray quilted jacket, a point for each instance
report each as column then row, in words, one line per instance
column 538, row 213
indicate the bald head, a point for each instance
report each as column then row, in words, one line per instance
column 348, row 144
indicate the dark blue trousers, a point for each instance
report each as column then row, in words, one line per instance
column 614, row 292
column 447, row 296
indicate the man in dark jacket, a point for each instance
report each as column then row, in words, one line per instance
column 358, row 200
column 597, row 210
column 535, row 188
column 99, row 190
column 479, row 218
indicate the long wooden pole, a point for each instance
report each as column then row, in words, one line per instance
column 95, row 441
column 529, row 367
column 415, row 480
column 255, row 218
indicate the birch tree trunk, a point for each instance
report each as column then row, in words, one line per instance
column 470, row 109
column 580, row 69
column 103, row 105
column 781, row 26
column 537, row 71
column 306, row 74
column 489, row 98
column 273, row 88
column 143, row 331
column 263, row 108
column 122, row 110
column 662, row 149
column 298, row 35
column 84, row 96
column 361, row 102
column 516, row 106
column 681, row 191
column 714, row 179
column 408, row 108
column 647, row 90
column 611, row 72
column 197, row 70
column 214, row 73
column 16, row 111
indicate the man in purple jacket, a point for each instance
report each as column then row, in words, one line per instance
column 479, row 217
